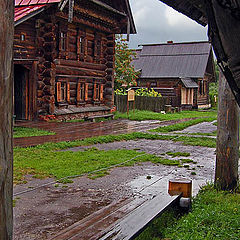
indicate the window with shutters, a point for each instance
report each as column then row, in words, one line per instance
column 80, row 92
column 98, row 92
column 62, row 92
column 63, row 41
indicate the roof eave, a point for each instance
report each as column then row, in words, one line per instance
column 30, row 15
column 195, row 9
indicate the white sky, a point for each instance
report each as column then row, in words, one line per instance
column 158, row 23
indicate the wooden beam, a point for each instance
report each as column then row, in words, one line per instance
column 6, row 118
column 226, row 173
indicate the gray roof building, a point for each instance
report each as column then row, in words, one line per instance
column 174, row 60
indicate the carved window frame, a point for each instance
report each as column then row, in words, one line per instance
column 81, row 92
column 62, row 92
column 63, row 40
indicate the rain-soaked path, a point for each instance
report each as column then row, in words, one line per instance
column 69, row 131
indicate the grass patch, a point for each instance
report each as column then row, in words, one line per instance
column 182, row 125
column 139, row 115
column 178, row 154
column 49, row 163
column 29, row 132
column 186, row 161
column 44, row 160
column 215, row 216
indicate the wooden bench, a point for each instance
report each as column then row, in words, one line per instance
column 93, row 118
column 134, row 223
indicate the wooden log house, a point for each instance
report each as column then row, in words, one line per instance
column 180, row 71
column 64, row 56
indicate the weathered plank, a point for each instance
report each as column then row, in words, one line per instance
column 132, row 225
column 6, row 106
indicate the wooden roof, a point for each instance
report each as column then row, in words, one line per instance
column 173, row 60
column 25, row 9
column 192, row 8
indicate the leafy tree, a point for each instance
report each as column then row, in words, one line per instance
column 125, row 74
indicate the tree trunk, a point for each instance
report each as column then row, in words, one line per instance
column 6, row 115
column 226, row 174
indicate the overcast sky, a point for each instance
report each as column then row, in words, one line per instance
column 158, row 23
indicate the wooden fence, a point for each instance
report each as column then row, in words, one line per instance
column 155, row 104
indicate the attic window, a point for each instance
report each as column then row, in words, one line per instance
column 22, row 37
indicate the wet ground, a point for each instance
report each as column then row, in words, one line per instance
column 41, row 213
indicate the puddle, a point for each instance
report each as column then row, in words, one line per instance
column 149, row 185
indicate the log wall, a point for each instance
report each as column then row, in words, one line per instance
column 75, row 60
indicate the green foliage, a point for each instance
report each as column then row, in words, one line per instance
column 147, row 92
column 125, row 73
column 29, row 132
column 215, row 216
column 140, row 92
column 213, row 93
column 120, row 91
column 139, row 115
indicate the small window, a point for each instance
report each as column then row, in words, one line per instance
column 61, row 91
column 80, row 46
column 201, row 87
column 99, row 46
column 97, row 94
column 63, row 41
column 22, row 37
column 80, row 92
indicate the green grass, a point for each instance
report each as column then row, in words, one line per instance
column 215, row 215
column 148, row 115
column 29, row 132
column 193, row 141
column 182, row 125
column 178, row 154
column 59, row 164
column 45, row 160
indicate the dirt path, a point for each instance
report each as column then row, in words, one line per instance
column 42, row 213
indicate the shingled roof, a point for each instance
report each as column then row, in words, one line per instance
column 173, row 60
column 25, row 9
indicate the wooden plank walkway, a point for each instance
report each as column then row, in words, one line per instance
column 69, row 131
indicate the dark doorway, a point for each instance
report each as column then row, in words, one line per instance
column 21, row 95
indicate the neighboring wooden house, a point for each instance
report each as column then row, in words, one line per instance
column 64, row 56
column 183, row 70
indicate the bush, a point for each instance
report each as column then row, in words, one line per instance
column 213, row 93
column 140, row 92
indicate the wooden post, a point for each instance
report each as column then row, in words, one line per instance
column 226, row 173
column 6, row 117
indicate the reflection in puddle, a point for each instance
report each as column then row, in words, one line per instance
column 149, row 185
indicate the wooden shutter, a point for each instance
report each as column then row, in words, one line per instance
column 86, row 91
column 101, row 92
column 58, row 91
column 78, row 92
column 95, row 92
column 68, row 92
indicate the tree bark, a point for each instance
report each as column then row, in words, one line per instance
column 6, row 116
column 226, row 174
